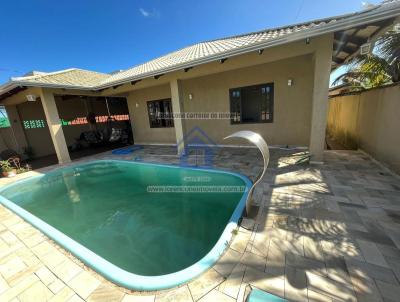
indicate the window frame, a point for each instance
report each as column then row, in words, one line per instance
column 234, row 97
column 4, row 117
column 168, row 123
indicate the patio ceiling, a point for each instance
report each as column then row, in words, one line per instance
column 347, row 42
column 11, row 92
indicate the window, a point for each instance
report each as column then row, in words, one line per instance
column 160, row 113
column 4, row 121
column 252, row 104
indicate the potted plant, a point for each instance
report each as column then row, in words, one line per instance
column 7, row 169
column 20, row 170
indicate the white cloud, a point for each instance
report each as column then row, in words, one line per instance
column 366, row 5
column 149, row 13
column 144, row 12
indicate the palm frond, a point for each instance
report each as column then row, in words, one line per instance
column 389, row 45
column 376, row 69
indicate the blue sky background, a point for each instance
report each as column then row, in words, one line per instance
column 101, row 35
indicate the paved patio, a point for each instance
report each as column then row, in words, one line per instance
column 323, row 233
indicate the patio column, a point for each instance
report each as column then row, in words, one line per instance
column 322, row 68
column 177, row 108
column 55, row 128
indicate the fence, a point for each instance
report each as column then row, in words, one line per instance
column 369, row 120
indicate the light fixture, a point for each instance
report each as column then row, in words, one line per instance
column 290, row 82
column 137, row 105
column 31, row 98
column 308, row 40
column 190, row 96
column 365, row 48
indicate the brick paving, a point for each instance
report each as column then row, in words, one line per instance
column 322, row 233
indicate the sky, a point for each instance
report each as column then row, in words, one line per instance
column 106, row 36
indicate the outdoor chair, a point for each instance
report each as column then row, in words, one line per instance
column 93, row 138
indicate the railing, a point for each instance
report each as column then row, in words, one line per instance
column 260, row 143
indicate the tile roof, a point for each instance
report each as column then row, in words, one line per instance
column 210, row 48
column 194, row 54
column 73, row 77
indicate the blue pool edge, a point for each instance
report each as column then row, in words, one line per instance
column 113, row 272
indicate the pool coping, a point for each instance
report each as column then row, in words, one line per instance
column 117, row 274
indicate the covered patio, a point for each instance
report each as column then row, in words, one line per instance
column 323, row 233
column 49, row 128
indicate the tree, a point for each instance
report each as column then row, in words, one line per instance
column 380, row 67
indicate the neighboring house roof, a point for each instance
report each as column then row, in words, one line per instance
column 209, row 51
column 72, row 77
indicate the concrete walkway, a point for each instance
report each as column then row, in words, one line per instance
column 323, row 233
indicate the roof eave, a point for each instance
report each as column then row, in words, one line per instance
column 47, row 85
column 356, row 20
column 7, row 87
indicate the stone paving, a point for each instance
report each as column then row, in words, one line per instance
column 322, row 233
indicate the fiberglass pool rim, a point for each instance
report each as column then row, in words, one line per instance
column 117, row 274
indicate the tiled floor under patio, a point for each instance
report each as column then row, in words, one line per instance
column 323, row 233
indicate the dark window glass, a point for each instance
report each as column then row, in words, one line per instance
column 252, row 104
column 160, row 113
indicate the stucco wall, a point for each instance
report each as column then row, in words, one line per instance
column 137, row 104
column 292, row 104
column 342, row 120
column 372, row 118
column 7, row 140
column 13, row 136
column 39, row 138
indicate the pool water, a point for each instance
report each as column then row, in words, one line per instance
column 107, row 207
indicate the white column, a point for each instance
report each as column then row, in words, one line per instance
column 177, row 107
column 54, row 124
column 322, row 69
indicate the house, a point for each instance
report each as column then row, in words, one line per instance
column 274, row 82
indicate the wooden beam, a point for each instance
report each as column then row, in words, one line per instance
column 349, row 49
column 158, row 76
column 135, row 82
column 337, row 60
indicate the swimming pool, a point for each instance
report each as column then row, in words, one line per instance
column 143, row 226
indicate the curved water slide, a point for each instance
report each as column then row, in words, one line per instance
column 262, row 145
